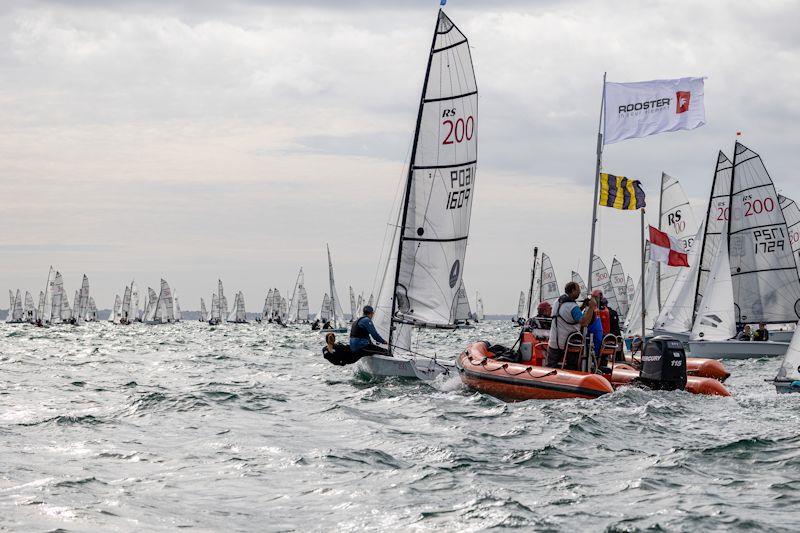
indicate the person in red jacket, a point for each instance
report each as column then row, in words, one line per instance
column 602, row 311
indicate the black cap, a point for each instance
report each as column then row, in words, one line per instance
column 368, row 309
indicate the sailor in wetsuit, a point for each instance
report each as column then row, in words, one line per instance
column 360, row 334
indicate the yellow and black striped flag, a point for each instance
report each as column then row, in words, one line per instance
column 620, row 192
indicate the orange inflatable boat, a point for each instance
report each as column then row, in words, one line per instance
column 530, row 380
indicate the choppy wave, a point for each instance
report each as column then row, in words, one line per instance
column 248, row 428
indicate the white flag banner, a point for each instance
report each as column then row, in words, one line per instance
column 648, row 107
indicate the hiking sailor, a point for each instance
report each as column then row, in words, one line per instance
column 360, row 334
column 568, row 318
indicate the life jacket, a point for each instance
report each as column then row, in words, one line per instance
column 563, row 324
column 605, row 319
column 357, row 331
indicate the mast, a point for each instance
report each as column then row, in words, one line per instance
column 330, row 277
column 409, row 179
column 658, row 264
column 596, row 182
column 533, row 277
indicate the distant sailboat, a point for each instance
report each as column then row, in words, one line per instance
column 521, row 314
column 203, row 311
column 461, row 309
column 479, row 314
column 325, row 309
column 165, row 307
column 116, row 311
column 57, row 291
column 601, row 279
column 423, row 270
column 238, row 315
column 579, row 280
column 298, row 307
column 619, row 284
column 214, row 319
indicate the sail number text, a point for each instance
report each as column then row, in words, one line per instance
column 458, row 130
column 769, row 239
column 751, row 208
column 460, row 187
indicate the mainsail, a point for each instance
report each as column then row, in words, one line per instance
column 177, row 315
column 238, row 314
column 29, row 314
column 214, row 307
column 298, row 305
column 620, row 286
column 548, row 285
column 353, row 314
column 222, row 302
column 325, row 310
column 602, row 280
column 40, row 308
column 766, row 287
column 579, row 280
column 336, row 306
column 790, row 366
column 203, row 310
column 676, row 219
column 165, row 308
column 116, row 311
column 715, row 318
column 717, row 215
column 57, row 291
column 461, row 308
column 425, row 263
column 82, row 305
column 125, row 311
column 677, row 313
column 152, row 303
column 521, row 306
column 134, row 301
column 792, row 215
column 45, row 310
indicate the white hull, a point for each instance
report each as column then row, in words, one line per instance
column 781, row 335
column 385, row 366
column 733, row 349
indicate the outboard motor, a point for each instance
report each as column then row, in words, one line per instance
column 663, row 364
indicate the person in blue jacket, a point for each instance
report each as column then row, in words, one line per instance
column 360, row 333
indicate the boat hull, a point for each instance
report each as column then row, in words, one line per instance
column 402, row 367
column 733, row 349
column 784, row 387
column 521, row 381
column 682, row 336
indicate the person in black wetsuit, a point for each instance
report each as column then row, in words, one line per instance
column 360, row 334
column 761, row 334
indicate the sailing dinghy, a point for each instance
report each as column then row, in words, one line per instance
column 763, row 273
column 336, row 317
column 423, row 269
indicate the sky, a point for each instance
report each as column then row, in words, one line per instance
column 193, row 140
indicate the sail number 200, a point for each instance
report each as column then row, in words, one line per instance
column 459, row 130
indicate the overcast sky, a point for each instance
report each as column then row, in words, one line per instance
column 188, row 140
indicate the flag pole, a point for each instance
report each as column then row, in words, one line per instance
column 596, row 182
column 644, row 285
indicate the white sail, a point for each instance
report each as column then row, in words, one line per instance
column 92, row 314
column 601, row 280
column 134, row 301
column 371, row 301
column 521, row 306
column 57, row 291
column 152, row 302
column 325, row 310
column 284, row 309
column 82, row 305
column 791, row 212
column 630, row 290
column 41, row 307
column 579, row 280
column 177, row 315
column 336, row 305
column 425, row 263
column 766, row 287
column 676, row 219
column 214, row 307
column 548, row 285
column 717, row 215
column 30, row 313
column 353, row 314
column 461, row 307
column 125, row 311
column 165, row 307
column 677, row 312
column 619, row 282
column 222, row 302
column 267, row 312
column 203, row 310
column 359, row 305
column 238, row 314
column 715, row 318
column 276, row 303
column 66, row 310
column 479, row 307
column 298, row 307
column 46, row 311
column 16, row 309
column 790, row 366
column 116, row 311
column 633, row 320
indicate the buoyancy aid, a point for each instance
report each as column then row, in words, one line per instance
column 357, row 331
column 605, row 319
column 563, row 324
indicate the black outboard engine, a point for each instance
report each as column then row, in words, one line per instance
column 663, row 364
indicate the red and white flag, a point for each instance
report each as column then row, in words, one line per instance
column 667, row 249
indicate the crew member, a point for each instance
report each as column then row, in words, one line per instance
column 568, row 318
column 602, row 311
column 540, row 324
column 360, row 334
column 762, row 333
column 745, row 334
